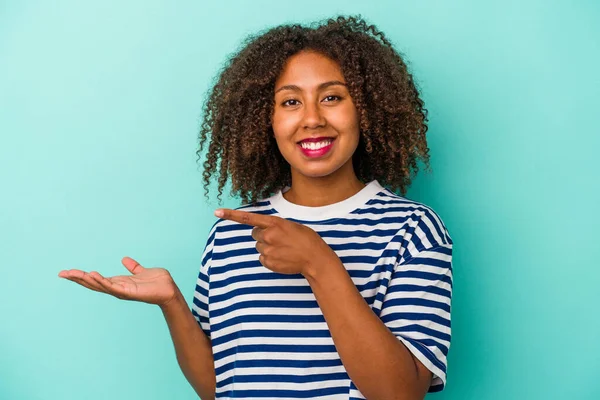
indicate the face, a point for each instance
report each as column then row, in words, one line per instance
column 314, row 119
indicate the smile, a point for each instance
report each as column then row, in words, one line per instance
column 317, row 145
column 316, row 149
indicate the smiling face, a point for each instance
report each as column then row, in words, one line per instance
column 315, row 121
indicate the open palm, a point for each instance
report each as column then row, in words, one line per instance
column 148, row 285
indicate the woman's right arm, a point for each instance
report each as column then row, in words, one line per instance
column 192, row 346
column 156, row 286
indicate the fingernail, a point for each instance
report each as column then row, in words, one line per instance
column 219, row 213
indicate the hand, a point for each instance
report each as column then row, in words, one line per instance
column 284, row 246
column 148, row 285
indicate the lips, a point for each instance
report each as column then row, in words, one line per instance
column 317, row 153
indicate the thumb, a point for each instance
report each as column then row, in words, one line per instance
column 132, row 266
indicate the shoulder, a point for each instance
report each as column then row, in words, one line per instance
column 419, row 219
column 225, row 234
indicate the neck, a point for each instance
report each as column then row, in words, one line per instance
column 322, row 191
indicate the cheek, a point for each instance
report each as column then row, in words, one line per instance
column 283, row 124
column 347, row 122
column 282, row 131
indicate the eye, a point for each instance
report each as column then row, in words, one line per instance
column 331, row 98
column 290, row 103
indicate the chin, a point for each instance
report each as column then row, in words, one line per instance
column 317, row 172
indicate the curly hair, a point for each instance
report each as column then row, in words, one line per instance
column 237, row 112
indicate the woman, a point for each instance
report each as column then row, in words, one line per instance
column 326, row 283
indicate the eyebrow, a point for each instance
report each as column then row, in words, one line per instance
column 320, row 87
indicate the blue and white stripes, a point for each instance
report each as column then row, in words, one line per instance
column 269, row 337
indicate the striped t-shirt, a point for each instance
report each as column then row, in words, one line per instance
column 268, row 334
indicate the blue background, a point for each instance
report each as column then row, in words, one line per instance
column 99, row 110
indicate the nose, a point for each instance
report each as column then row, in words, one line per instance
column 313, row 116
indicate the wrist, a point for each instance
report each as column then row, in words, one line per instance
column 318, row 268
column 175, row 300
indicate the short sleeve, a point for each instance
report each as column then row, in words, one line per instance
column 416, row 307
column 201, row 298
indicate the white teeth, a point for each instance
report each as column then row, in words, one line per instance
column 315, row 146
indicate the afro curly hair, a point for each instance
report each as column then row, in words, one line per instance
column 238, row 110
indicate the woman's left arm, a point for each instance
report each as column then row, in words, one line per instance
column 377, row 362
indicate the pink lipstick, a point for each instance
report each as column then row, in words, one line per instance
column 316, row 147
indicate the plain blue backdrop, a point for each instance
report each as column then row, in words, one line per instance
column 99, row 110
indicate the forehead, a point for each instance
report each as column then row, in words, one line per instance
column 309, row 68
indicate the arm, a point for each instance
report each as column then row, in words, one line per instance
column 192, row 347
column 377, row 362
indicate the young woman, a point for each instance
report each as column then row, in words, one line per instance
column 326, row 283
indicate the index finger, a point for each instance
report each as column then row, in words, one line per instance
column 247, row 218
